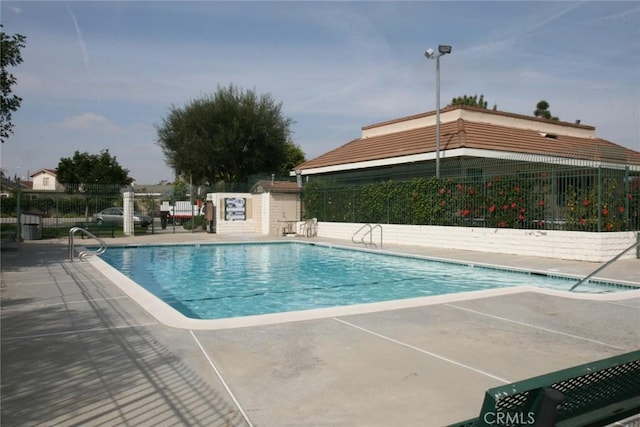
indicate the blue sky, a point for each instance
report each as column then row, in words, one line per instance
column 103, row 75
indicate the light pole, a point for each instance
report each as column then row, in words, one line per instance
column 430, row 54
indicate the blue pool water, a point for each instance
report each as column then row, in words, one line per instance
column 232, row 280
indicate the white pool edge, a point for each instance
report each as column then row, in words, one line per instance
column 169, row 316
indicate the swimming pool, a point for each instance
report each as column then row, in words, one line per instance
column 217, row 281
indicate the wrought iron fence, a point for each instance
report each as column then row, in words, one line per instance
column 55, row 212
column 571, row 194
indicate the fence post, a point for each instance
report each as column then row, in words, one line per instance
column 554, row 199
column 57, row 211
column 627, row 207
column 19, row 214
column 599, row 199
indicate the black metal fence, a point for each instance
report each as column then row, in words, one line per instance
column 55, row 212
column 567, row 195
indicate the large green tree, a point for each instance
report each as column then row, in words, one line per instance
column 542, row 111
column 92, row 169
column 9, row 56
column 228, row 136
column 472, row 101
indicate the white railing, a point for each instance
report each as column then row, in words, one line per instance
column 84, row 254
column 368, row 232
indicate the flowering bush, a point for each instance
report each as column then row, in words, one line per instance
column 523, row 200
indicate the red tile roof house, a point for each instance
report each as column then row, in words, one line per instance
column 477, row 145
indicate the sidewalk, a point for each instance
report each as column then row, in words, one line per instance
column 77, row 350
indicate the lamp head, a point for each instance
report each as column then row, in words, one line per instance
column 429, row 53
column 444, row 49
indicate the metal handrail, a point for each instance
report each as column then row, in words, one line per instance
column 84, row 254
column 368, row 233
column 603, row 266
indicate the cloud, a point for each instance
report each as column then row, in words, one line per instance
column 89, row 121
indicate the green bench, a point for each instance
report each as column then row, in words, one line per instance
column 99, row 229
column 593, row 394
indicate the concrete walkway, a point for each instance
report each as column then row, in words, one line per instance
column 77, row 350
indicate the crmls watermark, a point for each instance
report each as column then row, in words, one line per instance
column 506, row 419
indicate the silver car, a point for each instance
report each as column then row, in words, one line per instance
column 117, row 215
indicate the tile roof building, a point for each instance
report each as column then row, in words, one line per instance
column 404, row 146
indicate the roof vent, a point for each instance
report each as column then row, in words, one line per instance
column 549, row 135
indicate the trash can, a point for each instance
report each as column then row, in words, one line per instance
column 31, row 232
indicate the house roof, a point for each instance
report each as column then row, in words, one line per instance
column 477, row 129
column 53, row 172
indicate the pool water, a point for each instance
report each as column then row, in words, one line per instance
column 231, row 280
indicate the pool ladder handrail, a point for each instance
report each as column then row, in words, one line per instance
column 368, row 233
column 603, row 266
column 84, row 254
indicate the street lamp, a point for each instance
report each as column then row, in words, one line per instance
column 430, row 54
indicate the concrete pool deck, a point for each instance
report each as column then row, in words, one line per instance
column 77, row 350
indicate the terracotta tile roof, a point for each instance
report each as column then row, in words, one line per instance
column 477, row 135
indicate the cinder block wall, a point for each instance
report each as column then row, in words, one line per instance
column 571, row 245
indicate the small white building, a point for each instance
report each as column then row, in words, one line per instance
column 45, row 180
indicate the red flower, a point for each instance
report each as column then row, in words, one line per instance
column 489, row 184
column 459, row 187
column 609, row 226
column 442, row 203
column 513, row 205
column 520, row 217
column 605, row 211
column 620, row 209
column 465, row 212
column 540, row 223
column 516, row 188
column 492, row 208
column 583, row 221
column 505, row 207
column 586, row 202
column 472, row 191
column 443, row 190
column 540, row 202
column 502, row 224
column 522, row 210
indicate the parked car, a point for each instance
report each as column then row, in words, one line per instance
column 117, row 215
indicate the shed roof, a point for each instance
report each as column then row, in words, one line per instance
column 268, row 186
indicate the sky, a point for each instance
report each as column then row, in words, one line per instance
column 104, row 75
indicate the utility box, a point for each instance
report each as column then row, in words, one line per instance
column 30, row 224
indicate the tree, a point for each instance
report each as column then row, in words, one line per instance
column 542, row 111
column 9, row 56
column 228, row 136
column 472, row 101
column 91, row 169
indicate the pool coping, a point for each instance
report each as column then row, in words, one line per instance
column 171, row 317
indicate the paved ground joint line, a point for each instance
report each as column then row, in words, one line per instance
column 219, row 375
column 77, row 331
column 44, row 304
column 529, row 325
column 437, row 356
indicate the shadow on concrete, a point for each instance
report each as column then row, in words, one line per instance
column 89, row 364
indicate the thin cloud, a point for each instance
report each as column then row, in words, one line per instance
column 89, row 121
column 81, row 43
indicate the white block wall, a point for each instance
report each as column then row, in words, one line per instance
column 571, row 245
